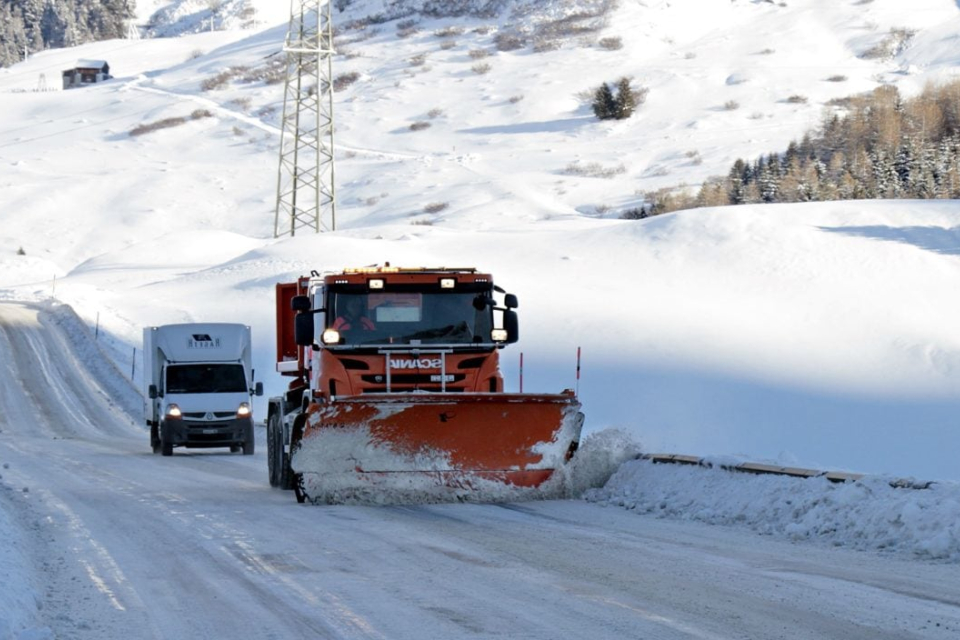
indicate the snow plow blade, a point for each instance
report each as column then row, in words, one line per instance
column 435, row 447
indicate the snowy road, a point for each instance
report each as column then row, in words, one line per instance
column 125, row 544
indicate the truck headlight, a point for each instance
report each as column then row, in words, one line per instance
column 244, row 410
column 173, row 411
column 330, row 336
column 498, row 335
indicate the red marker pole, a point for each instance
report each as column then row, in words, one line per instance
column 578, row 371
column 521, row 372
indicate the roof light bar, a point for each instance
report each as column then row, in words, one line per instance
column 372, row 270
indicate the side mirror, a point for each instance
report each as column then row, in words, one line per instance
column 300, row 303
column 152, row 392
column 303, row 329
column 258, row 389
column 510, row 301
column 511, row 324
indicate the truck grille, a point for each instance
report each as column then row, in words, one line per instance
column 413, row 378
column 408, row 389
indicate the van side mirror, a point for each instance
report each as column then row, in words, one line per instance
column 152, row 392
column 303, row 329
column 258, row 389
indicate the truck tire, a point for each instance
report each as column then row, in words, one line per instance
column 286, row 473
column 274, row 448
column 288, row 479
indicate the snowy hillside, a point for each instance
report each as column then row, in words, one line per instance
column 821, row 335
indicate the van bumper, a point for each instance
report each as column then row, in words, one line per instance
column 200, row 434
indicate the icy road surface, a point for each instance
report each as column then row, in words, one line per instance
column 119, row 543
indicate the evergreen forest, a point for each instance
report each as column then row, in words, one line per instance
column 28, row 26
column 875, row 145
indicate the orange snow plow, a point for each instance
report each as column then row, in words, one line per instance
column 398, row 396
column 435, row 444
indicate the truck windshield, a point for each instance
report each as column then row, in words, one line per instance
column 409, row 318
column 206, row 378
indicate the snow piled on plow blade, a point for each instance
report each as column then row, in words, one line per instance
column 437, row 448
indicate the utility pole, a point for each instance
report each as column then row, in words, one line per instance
column 305, row 185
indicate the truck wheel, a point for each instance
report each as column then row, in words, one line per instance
column 298, row 488
column 288, row 479
column 273, row 449
column 286, row 473
column 154, row 438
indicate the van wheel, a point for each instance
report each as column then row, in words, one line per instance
column 166, row 447
column 248, row 446
column 154, row 438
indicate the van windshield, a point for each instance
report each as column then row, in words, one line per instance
column 206, row 378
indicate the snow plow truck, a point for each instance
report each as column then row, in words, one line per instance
column 396, row 392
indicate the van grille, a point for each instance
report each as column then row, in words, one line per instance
column 200, row 415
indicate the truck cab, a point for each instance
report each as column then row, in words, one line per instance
column 399, row 331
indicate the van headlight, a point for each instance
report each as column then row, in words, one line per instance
column 244, row 410
column 173, row 411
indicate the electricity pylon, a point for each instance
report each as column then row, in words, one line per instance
column 305, row 188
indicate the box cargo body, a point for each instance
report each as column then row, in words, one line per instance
column 198, row 383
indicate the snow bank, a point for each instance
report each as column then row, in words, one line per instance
column 19, row 600
column 119, row 390
column 868, row 514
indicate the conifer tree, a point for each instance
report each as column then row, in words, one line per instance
column 604, row 104
column 768, row 181
column 626, row 100
column 736, row 182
